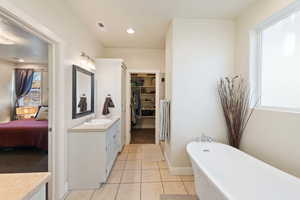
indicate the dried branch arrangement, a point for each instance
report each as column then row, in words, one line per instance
column 235, row 100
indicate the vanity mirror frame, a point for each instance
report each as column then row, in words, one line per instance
column 76, row 69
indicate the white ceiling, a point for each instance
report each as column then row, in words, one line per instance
column 27, row 46
column 149, row 18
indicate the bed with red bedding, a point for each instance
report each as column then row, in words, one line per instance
column 24, row 133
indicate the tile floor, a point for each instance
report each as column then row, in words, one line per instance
column 140, row 173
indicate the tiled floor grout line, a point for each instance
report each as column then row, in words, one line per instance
column 161, row 179
column 141, row 181
column 118, row 189
column 184, row 186
column 94, row 191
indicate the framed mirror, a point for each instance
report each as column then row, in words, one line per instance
column 83, row 92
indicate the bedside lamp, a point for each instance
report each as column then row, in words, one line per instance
column 26, row 112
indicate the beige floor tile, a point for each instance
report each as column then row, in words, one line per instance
column 151, row 191
column 125, row 149
column 106, row 192
column 122, row 156
column 132, row 150
column 152, row 157
column 150, row 176
column 115, row 176
column 119, row 165
column 190, row 187
column 151, row 150
column 166, row 176
column 149, row 165
column 136, row 145
column 135, row 150
column 174, row 188
column 187, row 178
column 133, row 165
column 135, row 156
column 150, row 146
column 80, row 195
column 129, row 192
column 131, row 176
column 163, row 164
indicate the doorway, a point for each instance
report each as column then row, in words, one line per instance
column 55, row 111
column 143, row 108
column 24, row 100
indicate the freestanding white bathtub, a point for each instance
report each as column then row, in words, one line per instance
column 225, row 173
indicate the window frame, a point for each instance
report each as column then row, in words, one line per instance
column 258, row 54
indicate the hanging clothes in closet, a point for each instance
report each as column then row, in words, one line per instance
column 135, row 105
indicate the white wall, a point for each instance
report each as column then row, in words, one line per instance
column 202, row 53
column 169, row 61
column 139, row 59
column 108, row 76
column 6, row 91
column 272, row 136
column 57, row 16
column 168, row 83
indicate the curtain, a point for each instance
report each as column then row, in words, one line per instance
column 23, row 83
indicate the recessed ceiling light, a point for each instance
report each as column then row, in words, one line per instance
column 130, row 31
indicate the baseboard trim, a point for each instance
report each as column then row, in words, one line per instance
column 178, row 170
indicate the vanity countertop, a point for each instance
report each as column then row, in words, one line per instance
column 94, row 128
column 21, row 186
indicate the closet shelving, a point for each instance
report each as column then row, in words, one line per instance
column 144, row 85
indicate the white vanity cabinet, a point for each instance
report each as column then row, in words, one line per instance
column 91, row 154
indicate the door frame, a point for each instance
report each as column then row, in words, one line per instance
column 128, row 102
column 55, row 70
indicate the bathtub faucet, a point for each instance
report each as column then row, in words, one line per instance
column 205, row 138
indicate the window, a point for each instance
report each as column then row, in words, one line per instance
column 34, row 97
column 279, row 72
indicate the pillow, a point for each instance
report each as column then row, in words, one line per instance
column 42, row 113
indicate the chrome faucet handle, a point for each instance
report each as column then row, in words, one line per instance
column 205, row 138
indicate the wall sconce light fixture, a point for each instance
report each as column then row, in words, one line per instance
column 87, row 61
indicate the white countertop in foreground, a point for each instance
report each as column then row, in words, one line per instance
column 21, row 186
column 94, row 128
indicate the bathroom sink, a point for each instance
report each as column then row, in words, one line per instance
column 98, row 122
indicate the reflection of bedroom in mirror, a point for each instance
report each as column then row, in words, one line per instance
column 24, row 102
column 83, row 92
